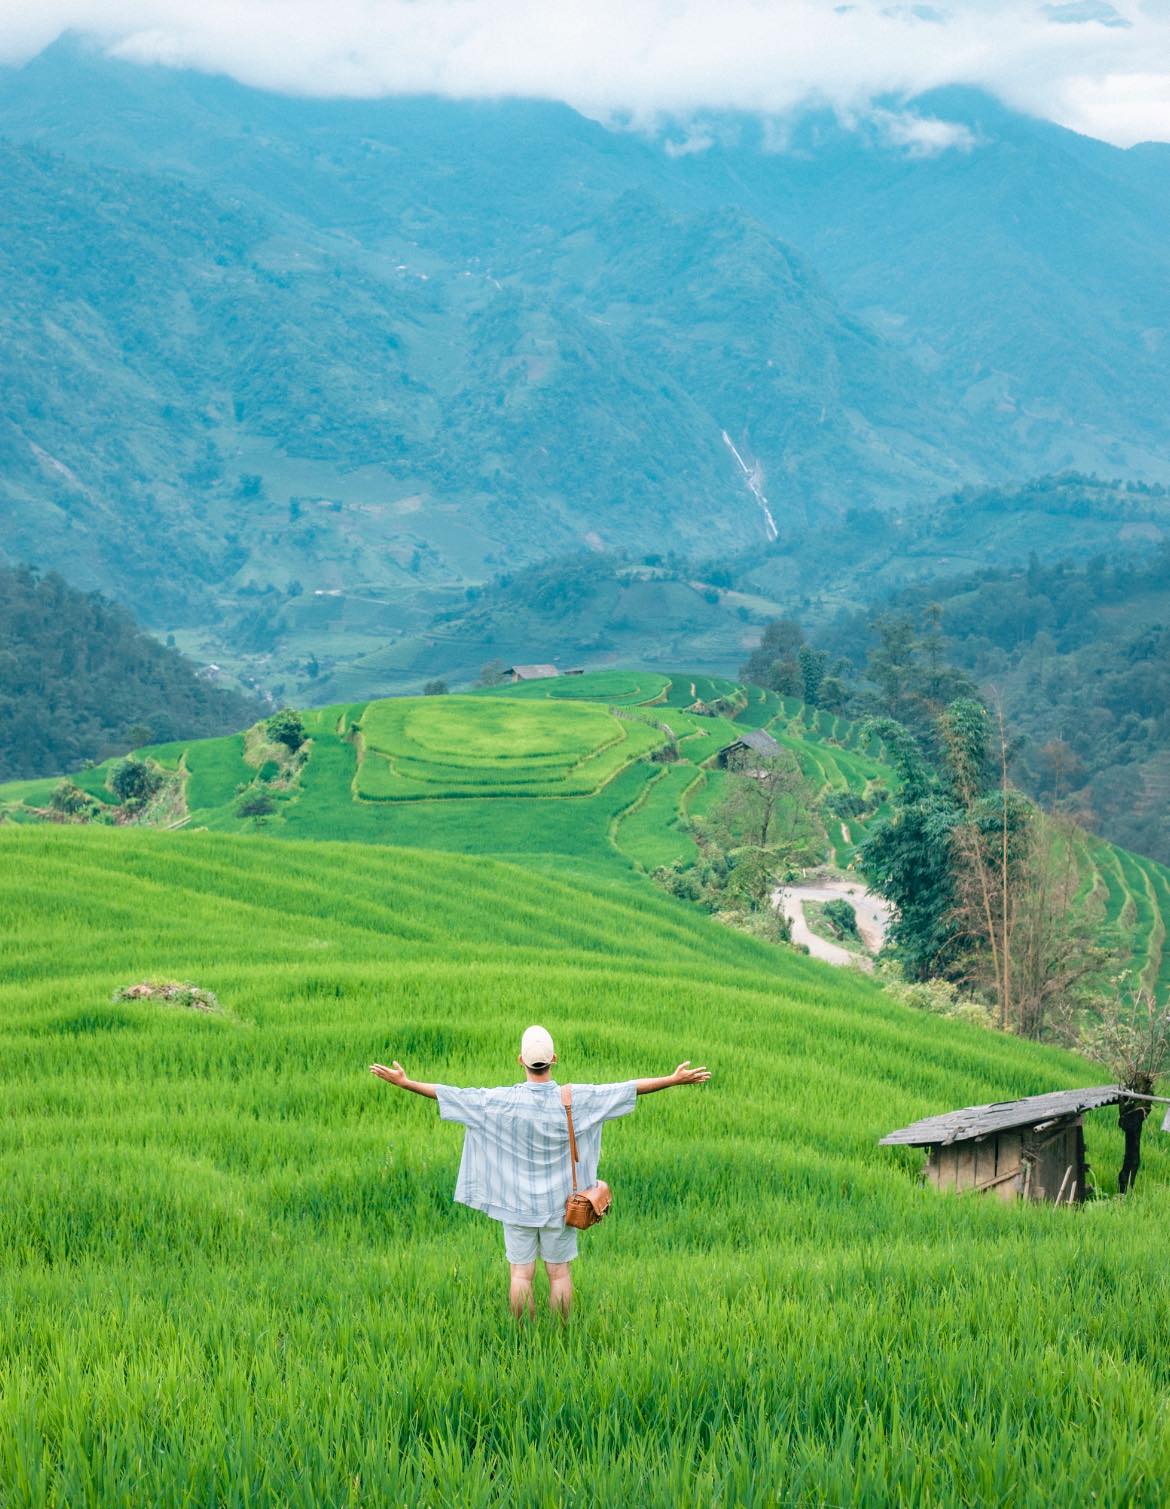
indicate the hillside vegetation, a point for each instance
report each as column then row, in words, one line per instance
column 1080, row 657
column 79, row 680
column 230, row 1270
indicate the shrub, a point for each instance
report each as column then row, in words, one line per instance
column 134, row 782
column 845, row 804
column 841, row 917
column 71, row 803
column 256, row 802
column 286, row 727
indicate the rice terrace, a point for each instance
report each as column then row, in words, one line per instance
column 233, row 1275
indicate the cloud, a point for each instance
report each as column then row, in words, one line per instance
column 1102, row 68
column 922, row 135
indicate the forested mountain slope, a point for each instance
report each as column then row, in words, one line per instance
column 393, row 374
column 79, row 680
column 378, row 349
column 1080, row 658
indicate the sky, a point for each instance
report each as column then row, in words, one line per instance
column 1102, row 68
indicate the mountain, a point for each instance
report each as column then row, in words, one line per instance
column 290, row 376
column 377, row 344
column 80, row 681
column 1027, row 268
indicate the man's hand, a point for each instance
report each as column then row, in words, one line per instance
column 396, row 1075
column 685, row 1075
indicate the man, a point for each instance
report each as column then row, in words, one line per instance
column 516, row 1166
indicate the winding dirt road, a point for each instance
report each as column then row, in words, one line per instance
column 873, row 918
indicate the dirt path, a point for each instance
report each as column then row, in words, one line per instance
column 873, row 918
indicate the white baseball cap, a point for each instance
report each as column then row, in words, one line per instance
column 536, row 1047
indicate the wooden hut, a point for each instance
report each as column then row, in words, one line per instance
column 1031, row 1149
column 516, row 673
column 751, row 741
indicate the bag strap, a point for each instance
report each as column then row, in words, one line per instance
column 567, row 1102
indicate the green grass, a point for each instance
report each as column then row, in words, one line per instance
column 231, row 1273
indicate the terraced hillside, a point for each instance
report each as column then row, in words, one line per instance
column 564, row 767
column 230, row 1271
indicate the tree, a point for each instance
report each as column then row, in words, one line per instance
column 256, row 802
column 1057, row 961
column 753, row 836
column 1132, row 1040
column 774, row 663
column 491, row 674
column 762, row 806
column 812, row 673
column 435, row 689
column 286, row 727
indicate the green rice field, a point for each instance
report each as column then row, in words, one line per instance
column 475, row 774
column 231, row 1272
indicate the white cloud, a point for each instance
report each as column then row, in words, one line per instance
column 1103, row 68
column 922, row 135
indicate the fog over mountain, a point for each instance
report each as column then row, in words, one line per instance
column 1099, row 67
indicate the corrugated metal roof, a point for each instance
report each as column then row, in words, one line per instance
column 755, row 738
column 979, row 1121
column 532, row 672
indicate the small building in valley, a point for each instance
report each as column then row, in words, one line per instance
column 516, row 673
column 753, row 741
column 1030, row 1149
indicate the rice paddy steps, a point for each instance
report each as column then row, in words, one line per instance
column 648, row 833
column 222, row 1218
column 1159, row 878
column 619, row 688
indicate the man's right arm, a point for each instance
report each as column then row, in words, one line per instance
column 396, row 1075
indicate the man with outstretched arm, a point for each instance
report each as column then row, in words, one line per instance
column 516, row 1166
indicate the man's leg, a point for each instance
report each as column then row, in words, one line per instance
column 560, row 1288
column 558, row 1248
column 520, row 1298
column 520, row 1245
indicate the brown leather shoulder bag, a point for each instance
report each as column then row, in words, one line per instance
column 584, row 1207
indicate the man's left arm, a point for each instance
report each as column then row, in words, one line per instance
column 683, row 1075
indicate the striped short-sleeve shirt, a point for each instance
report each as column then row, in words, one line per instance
column 515, row 1165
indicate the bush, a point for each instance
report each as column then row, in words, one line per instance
column 70, row 802
column 134, row 782
column 256, row 802
column 841, row 917
column 285, row 727
column 844, row 804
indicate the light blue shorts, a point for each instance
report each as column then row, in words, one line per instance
column 556, row 1243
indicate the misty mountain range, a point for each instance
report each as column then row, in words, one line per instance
column 264, row 354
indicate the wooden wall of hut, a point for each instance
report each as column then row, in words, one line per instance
column 1045, row 1163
